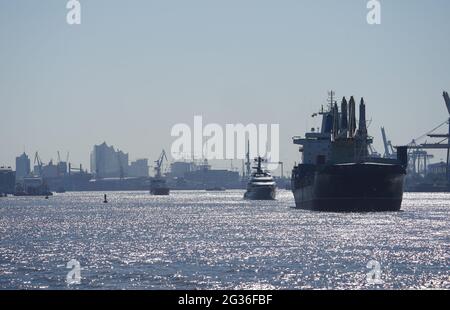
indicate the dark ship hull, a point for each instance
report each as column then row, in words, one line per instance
column 161, row 191
column 363, row 187
column 261, row 193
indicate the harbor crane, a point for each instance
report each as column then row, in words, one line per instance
column 38, row 161
column 444, row 144
column 159, row 163
column 418, row 158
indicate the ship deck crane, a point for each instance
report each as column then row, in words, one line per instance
column 373, row 152
column 389, row 151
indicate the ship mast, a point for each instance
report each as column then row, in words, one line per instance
column 247, row 163
column 258, row 168
column 331, row 100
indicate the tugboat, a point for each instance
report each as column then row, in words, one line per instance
column 337, row 173
column 261, row 185
column 158, row 185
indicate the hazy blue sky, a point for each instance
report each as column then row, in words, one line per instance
column 133, row 69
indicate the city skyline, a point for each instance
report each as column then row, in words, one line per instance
column 128, row 73
column 131, row 164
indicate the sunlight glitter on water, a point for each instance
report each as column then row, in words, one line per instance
column 211, row 240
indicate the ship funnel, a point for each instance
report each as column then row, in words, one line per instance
column 352, row 118
column 335, row 112
column 362, row 130
column 344, row 118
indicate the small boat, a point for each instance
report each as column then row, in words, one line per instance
column 158, row 186
column 261, row 185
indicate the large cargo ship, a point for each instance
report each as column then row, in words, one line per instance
column 337, row 173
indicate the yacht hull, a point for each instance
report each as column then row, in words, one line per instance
column 261, row 193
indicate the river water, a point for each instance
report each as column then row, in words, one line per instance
column 217, row 240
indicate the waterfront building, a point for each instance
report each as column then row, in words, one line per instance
column 106, row 162
column 139, row 168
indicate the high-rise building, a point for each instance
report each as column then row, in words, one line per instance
column 22, row 166
column 139, row 168
column 106, row 162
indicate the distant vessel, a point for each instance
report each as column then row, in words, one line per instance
column 261, row 185
column 158, row 185
column 338, row 174
column 199, row 175
column 32, row 186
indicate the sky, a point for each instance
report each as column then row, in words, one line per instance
column 133, row 69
